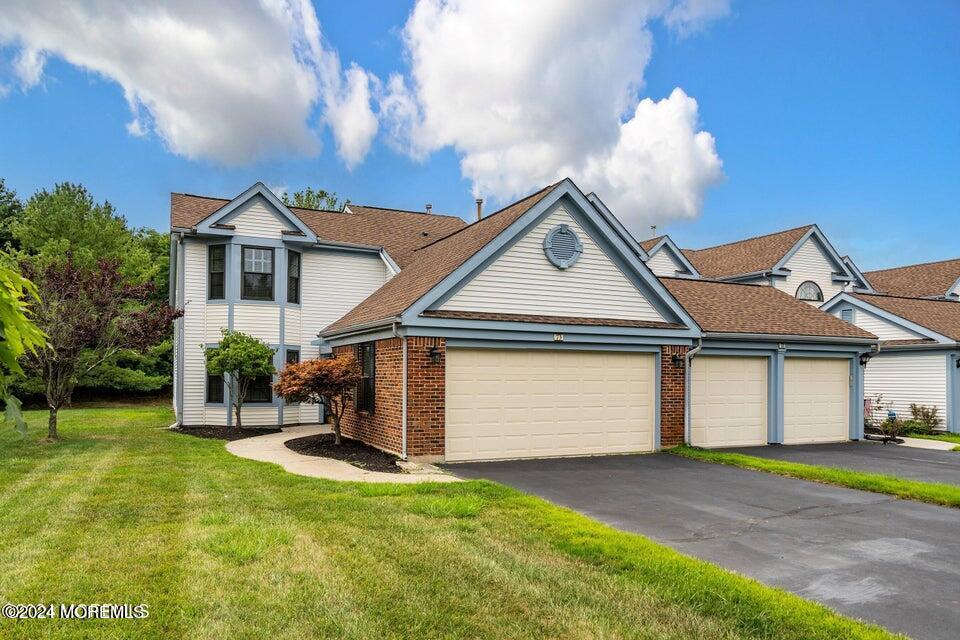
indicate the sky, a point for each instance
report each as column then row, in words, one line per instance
column 713, row 120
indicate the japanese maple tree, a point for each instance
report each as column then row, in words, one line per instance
column 88, row 314
column 328, row 382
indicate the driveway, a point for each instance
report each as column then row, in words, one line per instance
column 893, row 562
column 906, row 462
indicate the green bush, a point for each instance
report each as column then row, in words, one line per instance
column 926, row 418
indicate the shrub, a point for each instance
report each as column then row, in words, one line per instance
column 926, row 418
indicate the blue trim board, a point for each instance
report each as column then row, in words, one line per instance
column 224, row 214
column 657, row 377
column 181, row 324
column 667, row 244
column 815, row 233
column 467, row 343
column 614, row 222
column 953, row 393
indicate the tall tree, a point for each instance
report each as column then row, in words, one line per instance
column 89, row 314
column 242, row 358
column 10, row 210
column 310, row 199
column 330, row 382
column 20, row 335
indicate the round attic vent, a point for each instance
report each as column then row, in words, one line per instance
column 562, row 246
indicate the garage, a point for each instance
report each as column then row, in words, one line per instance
column 816, row 399
column 519, row 403
column 728, row 401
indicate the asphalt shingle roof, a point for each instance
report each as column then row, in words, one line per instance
column 725, row 307
column 941, row 316
column 399, row 232
column 916, row 280
column 745, row 256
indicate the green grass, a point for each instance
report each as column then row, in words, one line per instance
column 122, row 511
column 947, row 495
column 943, row 437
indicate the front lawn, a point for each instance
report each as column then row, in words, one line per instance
column 940, row 493
column 122, row 511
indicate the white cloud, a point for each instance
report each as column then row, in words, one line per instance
column 689, row 16
column 526, row 97
column 230, row 84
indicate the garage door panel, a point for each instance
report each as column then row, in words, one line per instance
column 728, row 401
column 547, row 403
column 816, row 400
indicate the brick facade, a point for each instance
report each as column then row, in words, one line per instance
column 672, row 396
column 425, row 400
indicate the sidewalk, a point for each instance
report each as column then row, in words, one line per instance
column 271, row 448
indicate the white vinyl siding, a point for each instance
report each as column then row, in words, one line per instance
column 816, row 400
column 905, row 379
column 216, row 320
column 259, row 219
column 504, row 403
column 809, row 263
column 728, row 401
column 259, row 320
column 523, row 281
column 663, row 264
column 883, row 329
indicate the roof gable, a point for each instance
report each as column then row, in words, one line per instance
column 860, row 282
column 443, row 267
column 665, row 245
column 219, row 222
column 926, row 280
column 760, row 255
column 935, row 319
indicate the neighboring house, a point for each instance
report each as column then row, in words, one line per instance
column 919, row 331
column 536, row 331
column 928, row 280
column 278, row 273
column 800, row 262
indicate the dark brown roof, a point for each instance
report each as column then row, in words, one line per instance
column 906, row 342
column 651, row 243
column 399, row 232
column 433, row 263
column 745, row 256
column 522, row 317
column 725, row 307
column 941, row 316
column 930, row 279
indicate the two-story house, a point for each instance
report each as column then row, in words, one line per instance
column 538, row 330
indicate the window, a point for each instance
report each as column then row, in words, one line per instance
column 293, row 356
column 366, row 390
column 257, row 274
column 216, row 270
column 809, row 291
column 214, row 389
column 293, row 276
column 847, row 315
column 260, row 389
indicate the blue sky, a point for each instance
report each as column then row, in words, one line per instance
column 844, row 114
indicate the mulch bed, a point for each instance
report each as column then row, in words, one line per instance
column 226, row 433
column 352, row 451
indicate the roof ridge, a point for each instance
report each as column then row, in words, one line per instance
column 907, row 266
column 760, row 237
column 197, row 195
column 421, row 213
column 485, row 218
column 713, row 281
column 887, row 295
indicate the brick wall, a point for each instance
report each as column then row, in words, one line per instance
column 381, row 429
column 425, row 400
column 672, row 394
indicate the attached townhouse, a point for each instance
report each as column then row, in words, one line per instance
column 915, row 311
column 539, row 330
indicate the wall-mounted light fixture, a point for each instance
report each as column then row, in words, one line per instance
column 864, row 359
column 434, row 354
column 677, row 360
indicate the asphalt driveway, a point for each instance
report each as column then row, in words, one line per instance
column 896, row 460
column 870, row 556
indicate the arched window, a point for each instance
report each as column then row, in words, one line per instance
column 809, row 291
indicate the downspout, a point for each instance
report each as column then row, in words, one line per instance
column 686, row 389
column 403, row 394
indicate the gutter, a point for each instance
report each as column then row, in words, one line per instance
column 772, row 337
column 686, row 388
column 361, row 328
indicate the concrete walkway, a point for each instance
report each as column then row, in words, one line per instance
column 923, row 443
column 271, row 448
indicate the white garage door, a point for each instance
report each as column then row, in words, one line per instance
column 728, row 401
column 816, row 399
column 511, row 403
